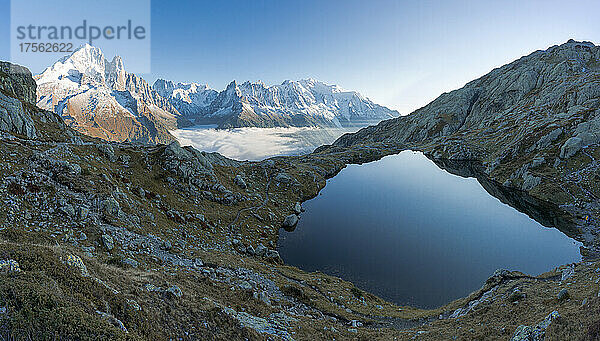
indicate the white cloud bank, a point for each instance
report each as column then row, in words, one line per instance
column 257, row 143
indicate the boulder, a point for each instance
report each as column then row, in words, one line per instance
column 563, row 295
column 174, row 291
column 110, row 207
column 571, row 147
column 75, row 262
column 283, row 178
column 261, row 250
column 108, row 242
column 547, row 139
column 297, row 208
column 530, row 181
column 537, row 332
column 238, row 180
column 290, row 221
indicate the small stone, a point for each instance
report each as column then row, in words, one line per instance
column 245, row 285
column 501, row 273
column 108, row 242
column 567, row 272
column 516, row 295
column 238, row 180
column 68, row 210
column 110, row 207
column 174, row 291
column 151, row 287
column 113, row 320
column 261, row 250
column 538, row 161
column 131, row 262
column 262, row 296
column 76, row 262
column 133, row 305
column 563, row 295
column 273, row 255
column 297, row 208
column 166, row 245
column 9, row 266
column 356, row 323
column 283, row 178
column 83, row 212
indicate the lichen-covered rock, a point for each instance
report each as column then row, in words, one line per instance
column 537, row 332
column 9, row 266
column 75, row 262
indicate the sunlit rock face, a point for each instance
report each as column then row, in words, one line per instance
column 99, row 98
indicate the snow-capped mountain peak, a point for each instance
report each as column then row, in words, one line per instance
column 87, row 89
column 306, row 102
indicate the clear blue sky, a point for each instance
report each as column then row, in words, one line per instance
column 399, row 53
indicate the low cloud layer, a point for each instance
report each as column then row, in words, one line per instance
column 257, row 143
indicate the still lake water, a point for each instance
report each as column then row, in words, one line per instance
column 414, row 234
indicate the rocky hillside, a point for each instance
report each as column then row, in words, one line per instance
column 126, row 242
column 293, row 103
column 99, row 98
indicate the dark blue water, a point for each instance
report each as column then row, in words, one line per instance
column 412, row 233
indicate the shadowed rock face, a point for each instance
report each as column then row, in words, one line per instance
column 16, row 81
column 14, row 119
column 17, row 102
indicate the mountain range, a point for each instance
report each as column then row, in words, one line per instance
column 100, row 98
column 306, row 102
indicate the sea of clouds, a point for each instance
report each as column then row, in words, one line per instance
column 257, row 143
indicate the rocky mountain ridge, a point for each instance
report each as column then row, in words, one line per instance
column 99, row 98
